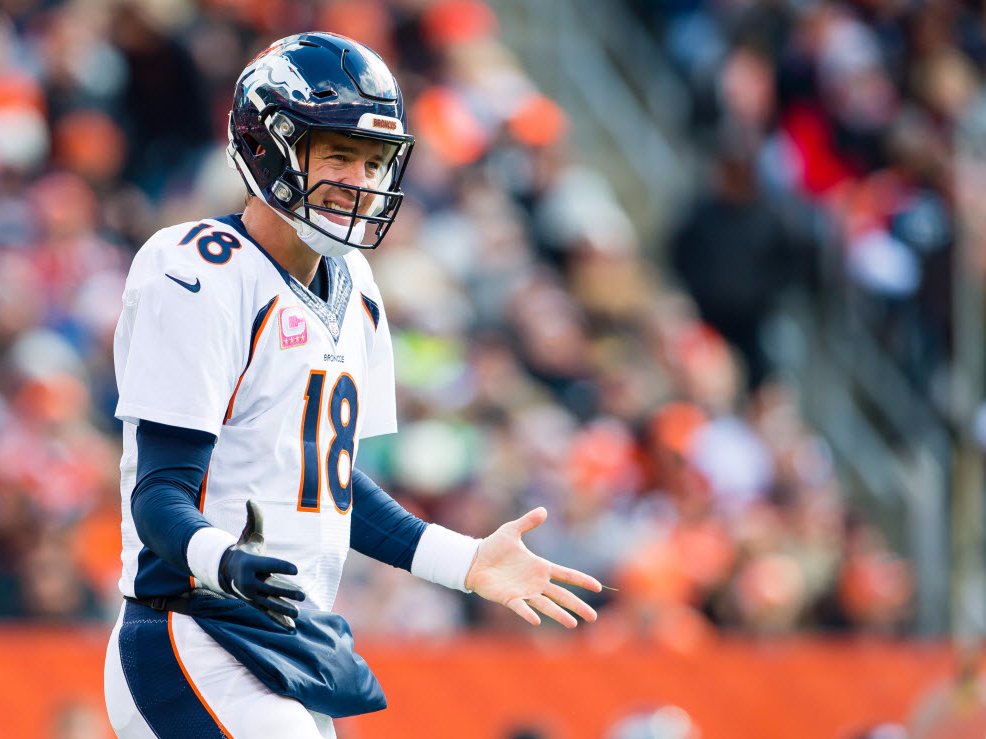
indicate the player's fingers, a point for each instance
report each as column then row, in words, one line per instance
column 269, row 591
column 273, row 564
column 283, row 584
column 520, row 607
column 574, row 577
column 552, row 610
column 531, row 520
column 568, row 599
column 276, row 605
column 280, row 591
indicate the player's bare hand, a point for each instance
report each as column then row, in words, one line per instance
column 507, row 572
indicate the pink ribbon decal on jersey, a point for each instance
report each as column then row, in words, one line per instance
column 293, row 326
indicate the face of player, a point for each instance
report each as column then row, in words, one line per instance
column 350, row 161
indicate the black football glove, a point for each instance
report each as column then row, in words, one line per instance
column 245, row 573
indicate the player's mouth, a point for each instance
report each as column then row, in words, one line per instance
column 338, row 205
column 346, row 208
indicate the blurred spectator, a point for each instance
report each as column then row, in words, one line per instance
column 736, row 255
column 667, row 722
column 51, row 588
column 875, row 586
column 164, row 107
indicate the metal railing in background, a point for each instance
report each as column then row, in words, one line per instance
column 968, row 376
column 892, row 447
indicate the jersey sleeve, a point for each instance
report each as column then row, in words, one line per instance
column 182, row 351
column 381, row 405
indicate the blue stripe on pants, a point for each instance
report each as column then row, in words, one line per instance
column 157, row 683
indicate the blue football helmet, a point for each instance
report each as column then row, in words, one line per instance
column 310, row 82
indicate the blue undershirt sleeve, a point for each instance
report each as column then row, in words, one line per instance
column 381, row 528
column 171, row 463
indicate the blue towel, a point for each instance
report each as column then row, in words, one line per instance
column 316, row 663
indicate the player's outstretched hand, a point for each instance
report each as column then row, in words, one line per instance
column 507, row 572
column 245, row 572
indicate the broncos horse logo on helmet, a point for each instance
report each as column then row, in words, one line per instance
column 277, row 70
column 318, row 82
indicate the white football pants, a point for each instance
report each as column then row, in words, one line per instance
column 196, row 688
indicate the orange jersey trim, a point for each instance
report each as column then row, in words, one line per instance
column 369, row 315
column 229, row 406
column 371, row 310
column 253, row 349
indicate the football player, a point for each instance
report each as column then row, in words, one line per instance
column 252, row 356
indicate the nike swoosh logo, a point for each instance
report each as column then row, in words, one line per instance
column 192, row 287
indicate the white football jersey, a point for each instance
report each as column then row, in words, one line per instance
column 215, row 336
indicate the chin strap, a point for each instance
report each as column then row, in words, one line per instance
column 322, row 243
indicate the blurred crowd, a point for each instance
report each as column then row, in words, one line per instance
column 834, row 125
column 544, row 357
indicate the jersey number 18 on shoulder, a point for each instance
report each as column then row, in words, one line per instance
column 343, row 411
column 215, row 247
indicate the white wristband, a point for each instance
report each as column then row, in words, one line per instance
column 444, row 557
column 205, row 549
